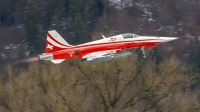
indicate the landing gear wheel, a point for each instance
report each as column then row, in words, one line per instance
column 143, row 51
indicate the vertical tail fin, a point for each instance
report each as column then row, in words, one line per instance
column 55, row 42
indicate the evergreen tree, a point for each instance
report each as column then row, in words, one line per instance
column 76, row 8
column 83, row 15
column 156, row 57
column 6, row 12
column 98, row 7
column 67, row 5
column 21, row 53
column 155, row 54
column 33, row 41
column 53, row 14
column 55, row 23
column 0, row 50
column 197, row 57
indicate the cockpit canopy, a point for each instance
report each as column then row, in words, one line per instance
column 129, row 35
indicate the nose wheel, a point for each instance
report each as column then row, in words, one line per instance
column 143, row 52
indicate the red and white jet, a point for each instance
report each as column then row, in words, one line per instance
column 58, row 50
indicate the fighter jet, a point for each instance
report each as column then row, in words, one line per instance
column 106, row 49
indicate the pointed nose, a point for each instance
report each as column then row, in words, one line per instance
column 167, row 39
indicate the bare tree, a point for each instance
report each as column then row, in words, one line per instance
column 123, row 85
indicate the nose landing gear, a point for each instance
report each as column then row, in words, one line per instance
column 143, row 51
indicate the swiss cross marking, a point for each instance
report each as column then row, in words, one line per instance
column 50, row 46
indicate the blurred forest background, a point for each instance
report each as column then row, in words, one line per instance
column 167, row 81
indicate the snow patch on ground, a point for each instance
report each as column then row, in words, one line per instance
column 122, row 4
column 169, row 48
column 10, row 51
column 20, row 26
column 188, row 35
column 148, row 15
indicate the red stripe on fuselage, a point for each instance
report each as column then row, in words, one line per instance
column 89, row 48
column 109, row 43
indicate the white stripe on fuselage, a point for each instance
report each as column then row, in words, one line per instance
column 134, row 40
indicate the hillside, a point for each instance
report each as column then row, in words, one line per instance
column 168, row 18
column 168, row 80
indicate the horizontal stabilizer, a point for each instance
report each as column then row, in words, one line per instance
column 57, row 61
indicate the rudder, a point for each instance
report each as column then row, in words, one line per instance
column 55, row 42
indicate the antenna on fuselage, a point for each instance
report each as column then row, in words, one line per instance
column 103, row 36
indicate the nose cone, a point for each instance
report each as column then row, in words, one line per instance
column 167, row 39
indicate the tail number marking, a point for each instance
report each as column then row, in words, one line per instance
column 71, row 54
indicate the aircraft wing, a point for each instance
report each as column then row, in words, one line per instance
column 105, row 55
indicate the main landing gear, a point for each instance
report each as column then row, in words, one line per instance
column 143, row 51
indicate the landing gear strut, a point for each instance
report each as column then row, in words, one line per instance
column 143, row 51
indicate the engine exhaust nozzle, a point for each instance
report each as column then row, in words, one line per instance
column 45, row 57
